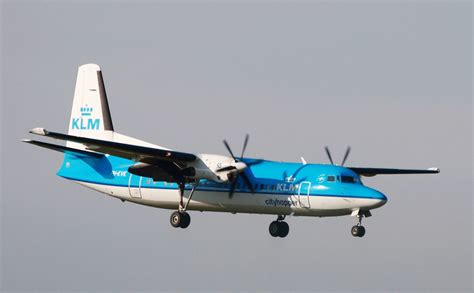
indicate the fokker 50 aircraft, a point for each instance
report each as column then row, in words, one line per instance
column 140, row 172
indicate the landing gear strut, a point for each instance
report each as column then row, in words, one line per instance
column 279, row 228
column 181, row 218
column 358, row 230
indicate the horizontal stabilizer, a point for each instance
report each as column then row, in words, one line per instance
column 63, row 149
column 385, row 171
column 133, row 152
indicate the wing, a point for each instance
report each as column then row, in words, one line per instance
column 64, row 149
column 385, row 171
column 133, row 152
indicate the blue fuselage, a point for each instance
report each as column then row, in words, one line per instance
column 275, row 183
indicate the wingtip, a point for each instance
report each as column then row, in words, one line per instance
column 26, row 140
column 39, row 131
column 434, row 169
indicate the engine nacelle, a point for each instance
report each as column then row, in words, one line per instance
column 205, row 167
column 151, row 171
column 207, row 174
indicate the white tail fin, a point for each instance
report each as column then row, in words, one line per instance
column 90, row 115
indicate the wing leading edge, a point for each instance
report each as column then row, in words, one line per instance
column 368, row 172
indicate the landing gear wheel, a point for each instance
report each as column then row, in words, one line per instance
column 176, row 219
column 186, row 220
column 358, row 231
column 284, row 229
column 279, row 229
column 274, row 229
column 180, row 219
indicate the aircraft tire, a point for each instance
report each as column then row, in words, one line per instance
column 185, row 221
column 358, row 231
column 176, row 219
column 284, row 229
column 274, row 229
column 355, row 231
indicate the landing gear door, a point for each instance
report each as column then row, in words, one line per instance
column 134, row 186
column 303, row 194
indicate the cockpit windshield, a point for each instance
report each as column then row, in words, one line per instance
column 341, row 178
column 348, row 179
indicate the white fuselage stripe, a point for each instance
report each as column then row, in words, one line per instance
column 241, row 202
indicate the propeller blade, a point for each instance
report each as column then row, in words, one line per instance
column 329, row 155
column 248, row 182
column 245, row 146
column 228, row 148
column 232, row 187
column 348, row 150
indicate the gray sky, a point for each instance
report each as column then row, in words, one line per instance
column 393, row 80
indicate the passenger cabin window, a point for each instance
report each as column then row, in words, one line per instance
column 348, row 179
column 331, row 178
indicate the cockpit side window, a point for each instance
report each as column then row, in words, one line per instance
column 331, row 178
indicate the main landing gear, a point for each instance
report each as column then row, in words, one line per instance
column 279, row 228
column 358, row 230
column 180, row 218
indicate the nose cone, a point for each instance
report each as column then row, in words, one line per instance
column 379, row 198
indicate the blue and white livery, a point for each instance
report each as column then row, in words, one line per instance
column 144, row 173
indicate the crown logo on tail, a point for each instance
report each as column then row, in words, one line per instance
column 86, row 111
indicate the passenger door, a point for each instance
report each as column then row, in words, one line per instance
column 303, row 194
column 134, row 186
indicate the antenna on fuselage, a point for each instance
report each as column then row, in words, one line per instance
column 303, row 161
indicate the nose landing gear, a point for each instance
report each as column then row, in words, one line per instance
column 279, row 228
column 358, row 230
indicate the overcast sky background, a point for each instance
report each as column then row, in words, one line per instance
column 391, row 79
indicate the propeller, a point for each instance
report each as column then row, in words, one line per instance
column 329, row 155
column 348, row 150
column 346, row 155
column 240, row 167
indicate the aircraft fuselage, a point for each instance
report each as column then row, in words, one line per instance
column 280, row 188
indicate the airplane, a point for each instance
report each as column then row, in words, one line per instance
column 140, row 172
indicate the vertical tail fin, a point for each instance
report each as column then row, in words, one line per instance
column 90, row 115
